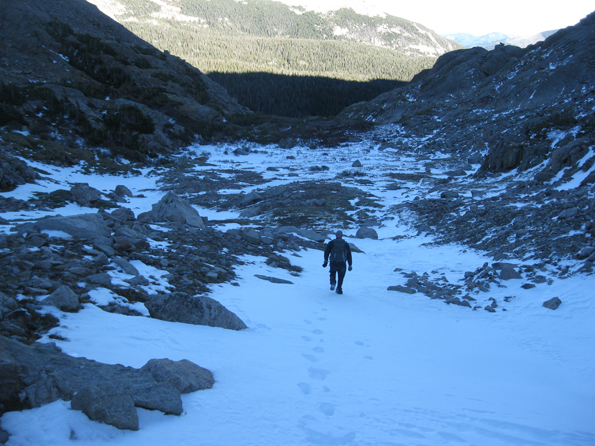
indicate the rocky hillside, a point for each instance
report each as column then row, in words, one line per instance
column 526, row 116
column 69, row 73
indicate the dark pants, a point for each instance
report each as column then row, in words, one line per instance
column 338, row 268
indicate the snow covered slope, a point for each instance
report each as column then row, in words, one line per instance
column 369, row 367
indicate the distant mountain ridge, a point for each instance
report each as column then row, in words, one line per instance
column 273, row 19
column 489, row 41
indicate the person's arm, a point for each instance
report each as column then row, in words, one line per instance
column 327, row 251
column 349, row 259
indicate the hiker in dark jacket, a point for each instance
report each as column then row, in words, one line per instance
column 340, row 253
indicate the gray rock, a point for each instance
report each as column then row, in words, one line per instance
column 183, row 375
column 38, row 282
column 251, row 212
column 7, row 304
column 507, row 271
column 553, row 303
column 402, row 289
column 357, row 163
column 85, row 226
column 41, row 373
column 568, row 213
column 123, row 214
column 14, row 172
column 126, row 266
column 366, row 232
column 122, row 191
column 107, row 404
column 449, row 195
column 139, row 280
column 102, row 279
column 273, row 279
column 251, row 198
column 251, row 235
column 173, row 209
column 85, row 195
column 199, row 310
column 63, row 298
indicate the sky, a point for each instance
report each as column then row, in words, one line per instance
column 511, row 17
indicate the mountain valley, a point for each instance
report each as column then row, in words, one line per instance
column 150, row 222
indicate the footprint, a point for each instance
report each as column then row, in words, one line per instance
column 310, row 358
column 306, row 338
column 305, row 388
column 318, row 349
column 327, row 409
column 360, row 343
column 317, row 373
column 317, row 331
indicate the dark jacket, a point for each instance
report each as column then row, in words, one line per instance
column 329, row 249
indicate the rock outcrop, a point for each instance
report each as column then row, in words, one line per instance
column 31, row 376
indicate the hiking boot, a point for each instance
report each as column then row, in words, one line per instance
column 339, row 291
column 332, row 287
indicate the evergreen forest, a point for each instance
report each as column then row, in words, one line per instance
column 287, row 61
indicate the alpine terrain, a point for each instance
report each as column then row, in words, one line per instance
column 162, row 245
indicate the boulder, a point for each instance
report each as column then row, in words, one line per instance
column 126, row 266
column 183, row 375
column 553, row 303
column 366, row 232
column 7, row 304
column 122, row 191
column 173, row 209
column 197, row 310
column 85, row 226
column 63, row 298
column 123, row 214
column 85, row 195
column 41, row 374
column 14, row 172
column 102, row 279
column 507, row 271
column 251, row 198
column 108, row 405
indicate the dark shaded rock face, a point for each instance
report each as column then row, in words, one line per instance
column 93, row 88
column 199, row 310
column 14, row 172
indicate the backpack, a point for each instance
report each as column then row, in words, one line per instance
column 339, row 252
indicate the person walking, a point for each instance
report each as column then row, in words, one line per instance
column 339, row 252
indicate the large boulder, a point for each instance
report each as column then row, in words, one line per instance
column 198, row 310
column 85, row 195
column 173, row 209
column 184, row 375
column 107, row 404
column 14, row 172
column 84, row 226
column 366, row 232
column 31, row 376
column 63, row 298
